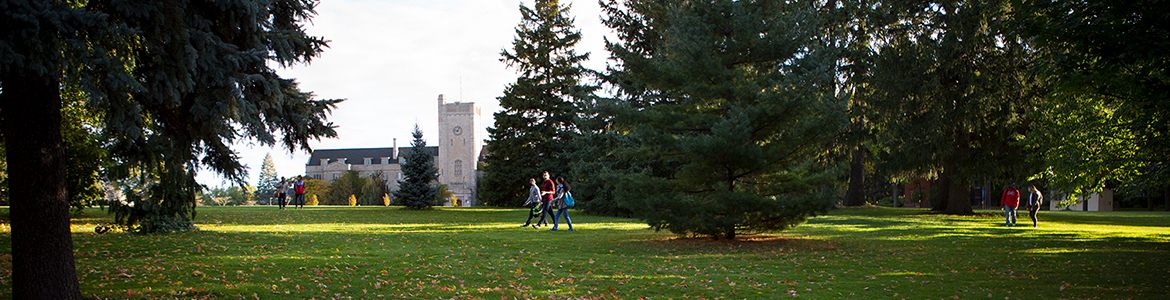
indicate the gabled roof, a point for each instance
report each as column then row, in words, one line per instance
column 357, row 156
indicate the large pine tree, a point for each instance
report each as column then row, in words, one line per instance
column 540, row 108
column 266, row 188
column 175, row 83
column 418, row 188
column 729, row 104
column 952, row 88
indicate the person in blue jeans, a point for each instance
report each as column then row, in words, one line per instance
column 1010, row 201
column 559, row 203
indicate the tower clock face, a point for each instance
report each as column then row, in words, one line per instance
column 458, row 130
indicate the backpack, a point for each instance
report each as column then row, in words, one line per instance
column 568, row 199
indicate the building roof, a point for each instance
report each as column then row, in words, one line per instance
column 352, row 156
column 358, row 156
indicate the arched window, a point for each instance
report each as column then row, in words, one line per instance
column 458, row 168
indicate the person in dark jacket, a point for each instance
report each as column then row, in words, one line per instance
column 1034, row 200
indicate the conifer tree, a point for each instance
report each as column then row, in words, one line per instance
column 266, row 188
column 175, row 83
column 951, row 93
column 417, row 189
column 540, row 109
column 729, row 105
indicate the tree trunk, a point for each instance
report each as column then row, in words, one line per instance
column 855, row 196
column 957, row 188
column 944, row 187
column 959, row 202
column 42, row 247
column 894, row 189
column 1149, row 200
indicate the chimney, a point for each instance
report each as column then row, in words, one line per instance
column 395, row 145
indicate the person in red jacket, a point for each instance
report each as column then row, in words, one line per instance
column 547, row 189
column 299, row 189
column 1010, row 201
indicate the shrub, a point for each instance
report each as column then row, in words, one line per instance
column 312, row 200
column 352, row 200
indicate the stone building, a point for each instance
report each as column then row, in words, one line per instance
column 456, row 155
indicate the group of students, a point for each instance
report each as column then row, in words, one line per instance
column 288, row 187
column 544, row 198
column 1011, row 200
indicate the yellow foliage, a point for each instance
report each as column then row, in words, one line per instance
column 312, row 200
column 352, row 200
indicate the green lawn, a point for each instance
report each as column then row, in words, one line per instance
column 859, row 253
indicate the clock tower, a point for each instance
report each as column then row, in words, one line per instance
column 459, row 145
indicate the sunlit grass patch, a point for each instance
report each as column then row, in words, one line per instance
column 481, row 253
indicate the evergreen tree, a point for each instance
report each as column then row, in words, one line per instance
column 417, row 189
column 531, row 133
column 176, row 83
column 266, row 188
column 728, row 105
column 951, row 92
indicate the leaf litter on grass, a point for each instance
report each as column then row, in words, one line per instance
column 371, row 253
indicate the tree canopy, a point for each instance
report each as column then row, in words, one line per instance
column 531, row 134
column 173, row 83
column 729, row 104
column 417, row 189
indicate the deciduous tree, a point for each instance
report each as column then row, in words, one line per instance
column 1109, row 113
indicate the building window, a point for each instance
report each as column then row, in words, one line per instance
column 458, row 168
column 399, row 176
column 368, row 160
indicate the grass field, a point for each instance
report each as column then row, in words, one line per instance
column 855, row 253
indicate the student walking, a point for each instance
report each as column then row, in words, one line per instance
column 547, row 189
column 560, row 205
column 280, row 191
column 1035, row 198
column 533, row 203
column 1010, row 201
column 299, row 189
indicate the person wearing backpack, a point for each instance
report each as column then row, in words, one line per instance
column 561, row 203
column 533, row 203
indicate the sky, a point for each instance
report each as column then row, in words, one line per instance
column 391, row 59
